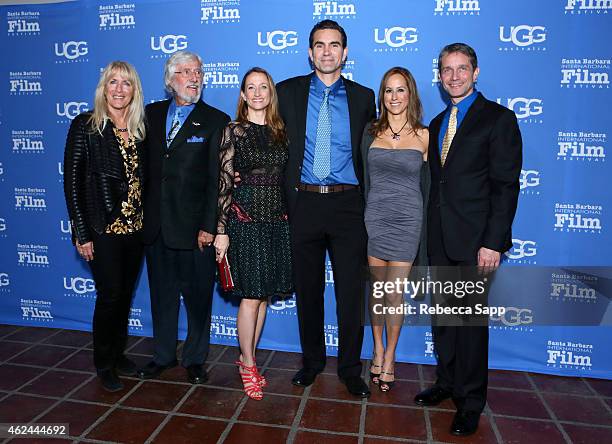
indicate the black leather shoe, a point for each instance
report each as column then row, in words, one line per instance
column 109, row 380
column 432, row 396
column 196, row 374
column 125, row 366
column 356, row 386
column 465, row 423
column 153, row 370
column 305, row 377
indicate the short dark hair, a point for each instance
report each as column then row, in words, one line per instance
column 326, row 24
column 464, row 49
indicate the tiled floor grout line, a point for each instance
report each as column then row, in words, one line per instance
column 179, row 404
column 496, row 432
column 233, row 419
column 298, row 415
column 58, row 400
column 365, row 372
column 112, row 408
column 549, row 410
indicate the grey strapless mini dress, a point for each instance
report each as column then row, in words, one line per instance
column 394, row 205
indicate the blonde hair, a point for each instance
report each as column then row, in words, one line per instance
column 273, row 118
column 135, row 113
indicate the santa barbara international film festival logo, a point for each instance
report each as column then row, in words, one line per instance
column 27, row 141
column 429, row 345
column 135, row 320
column 25, row 83
column 168, row 44
column 348, row 69
column 219, row 11
column 527, row 110
column 522, row 38
column 117, row 16
column 581, row 146
column 71, row 52
column 585, row 73
column 224, row 327
column 568, row 354
column 221, row 75
column 79, row 286
column 578, row 218
column 579, row 7
column 456, row 7
column 330, row 333
column 3, row 228
column 396, row 39
column 22, row 23
column 277, row 42
column 522, row 252
column 529, row 182
column 32, row 255
column 571, row 287
column 334, row 10
column 36, row 310
column 66, row 111
column 30, row 199
column 435, row 79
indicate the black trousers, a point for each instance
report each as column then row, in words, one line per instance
column 172, row 273
column 330, row 222
column 462, row 351
column 115, row 267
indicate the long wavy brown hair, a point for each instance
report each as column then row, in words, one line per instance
column 273, row 118
column 414, row 111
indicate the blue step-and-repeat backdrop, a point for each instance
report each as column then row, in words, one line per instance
column 548, row 61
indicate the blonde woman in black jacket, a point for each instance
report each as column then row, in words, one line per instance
column 103, row 179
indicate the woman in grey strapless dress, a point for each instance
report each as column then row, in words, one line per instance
column 393, row 150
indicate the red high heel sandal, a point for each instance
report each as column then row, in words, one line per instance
column 262, row 378
column 250, row 381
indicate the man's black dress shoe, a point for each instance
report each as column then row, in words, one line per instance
column 305, row 377
column 356, row 386
column 465, row 423
column 432, row 396
column 109, row 380
column 153, row 370
column 125, row 366
column 196, row 374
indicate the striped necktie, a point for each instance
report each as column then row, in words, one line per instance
column 175, row 127
column 450, row 133
column 321, row 166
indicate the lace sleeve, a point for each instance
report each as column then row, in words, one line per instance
column 226, row 178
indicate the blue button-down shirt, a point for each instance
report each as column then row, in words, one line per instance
column 462, row 109
column 342, row 169
column 184, row 112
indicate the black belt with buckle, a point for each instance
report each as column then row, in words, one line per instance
column 325, row 189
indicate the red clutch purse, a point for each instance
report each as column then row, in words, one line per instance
column 225, row 275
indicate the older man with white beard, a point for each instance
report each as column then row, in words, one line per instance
column 180, row 209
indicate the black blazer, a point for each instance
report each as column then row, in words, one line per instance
column 182, row 180
column 366, row 142
column 95, row 181
column 474, row 196
column 293, row 103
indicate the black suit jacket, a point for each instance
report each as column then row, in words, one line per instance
column 293, row 103
column 474, row 195
column 182, row 180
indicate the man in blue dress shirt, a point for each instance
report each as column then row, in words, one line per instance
column 324, row 115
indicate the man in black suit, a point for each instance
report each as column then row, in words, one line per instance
column 475, row 159
column 180, row 210
column 325, row 115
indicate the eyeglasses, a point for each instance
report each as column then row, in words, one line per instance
column 188, row 72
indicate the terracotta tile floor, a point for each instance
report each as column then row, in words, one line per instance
column 46, row 376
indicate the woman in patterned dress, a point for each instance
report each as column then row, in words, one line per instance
column 252, row 216
column 103, row 189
